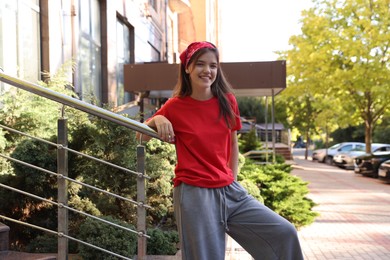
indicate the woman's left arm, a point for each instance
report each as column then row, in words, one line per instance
column 233, row 161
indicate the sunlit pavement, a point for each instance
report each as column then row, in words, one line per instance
column 354, row 221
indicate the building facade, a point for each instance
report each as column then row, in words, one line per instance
column 99, row 37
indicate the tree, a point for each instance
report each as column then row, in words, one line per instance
column 342, row 56
column 302, row 111
column 255, row 108
column 252, row 108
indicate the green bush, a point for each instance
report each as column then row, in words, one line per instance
column 121, row 241
column 249, row 142
column 47, row 243
column 279, row 159
column 160, row 166
column 108, row 237
column 252, row 189
column 22, row 207
column 162, row 242
column 281, row 191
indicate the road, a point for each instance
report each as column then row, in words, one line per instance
column 354, row 221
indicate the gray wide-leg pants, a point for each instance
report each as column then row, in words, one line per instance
column 204, row 215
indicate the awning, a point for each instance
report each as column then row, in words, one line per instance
column 247, row 78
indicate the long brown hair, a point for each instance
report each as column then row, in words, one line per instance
column 220, row 87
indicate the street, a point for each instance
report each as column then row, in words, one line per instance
column 354, row 221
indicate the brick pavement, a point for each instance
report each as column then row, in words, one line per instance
column 354, row 221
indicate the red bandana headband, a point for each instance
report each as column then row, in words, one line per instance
column 186, row 55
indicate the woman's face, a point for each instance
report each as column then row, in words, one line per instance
column 203, row 71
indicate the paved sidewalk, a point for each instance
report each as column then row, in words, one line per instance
column 354, row 221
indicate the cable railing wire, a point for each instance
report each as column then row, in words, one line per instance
column 59, row 146
column 59, row 234
column 140, row 204
column 60, row 205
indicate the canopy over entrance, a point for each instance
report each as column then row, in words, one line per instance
column 247, row 78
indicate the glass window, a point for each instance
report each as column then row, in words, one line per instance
column 153, row 3
column 20, row 39
column 123, row 42
column 335, row 146
column 155, row 54
column 89, row 59
column 360, row 147
column 346, row 148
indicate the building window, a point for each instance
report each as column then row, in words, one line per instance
column 89, row 59
column 155, row 54
column 20, row 39
column 153, row 4
column 124, row 56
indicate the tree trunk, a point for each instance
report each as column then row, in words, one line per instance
column 368, row 135
column 307, row 145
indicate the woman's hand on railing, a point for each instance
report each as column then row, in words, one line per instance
column 163, row 127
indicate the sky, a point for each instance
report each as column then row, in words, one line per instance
column 251, row 30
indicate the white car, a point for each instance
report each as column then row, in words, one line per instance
column 326, row 155
column 346, row 159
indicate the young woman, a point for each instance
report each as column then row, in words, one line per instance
column 201, row 119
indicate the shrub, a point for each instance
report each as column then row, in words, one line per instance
column 160, row 166
column 21, row 207
column 107, row 237
column 47, row 243
column 252, row 189
column 162, row 242
column 281, row 191
column 249, row 142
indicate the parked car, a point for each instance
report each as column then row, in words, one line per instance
column 346, row 159
column 384, row 171
column 368, row 164
column 326, row 155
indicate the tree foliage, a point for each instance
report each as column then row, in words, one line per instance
column 341, row 61
column 252, row 108
column 256, row 108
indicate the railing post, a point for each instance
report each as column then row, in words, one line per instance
column 62, row 167
column 273, row 127
column 141, row 195
column 266, row 128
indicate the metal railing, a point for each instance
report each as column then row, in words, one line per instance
column 62, row 168
column 78, row 104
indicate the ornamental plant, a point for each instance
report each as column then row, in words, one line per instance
column 280, row 191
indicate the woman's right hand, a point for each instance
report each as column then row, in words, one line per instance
column 164, row 128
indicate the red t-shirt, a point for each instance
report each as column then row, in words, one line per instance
column 202, row 139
